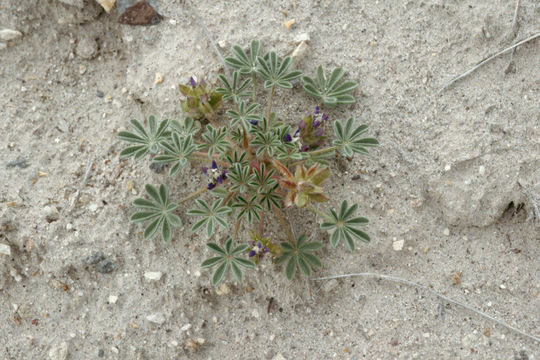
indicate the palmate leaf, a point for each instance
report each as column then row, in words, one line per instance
column 147, row 141
column 266, row 142
column 249, row 208
column 189, row 128
column 349, row 141
column 344, row 225
column 211, row 215
column 215, row 140
column 327, row 90
column 234, row 90
column 228, row 258
column 274, row 73
column 240, row 177
column 159, row 210
column 176, row 153
column 300, row 254
column 245, row 115
column 246, row 64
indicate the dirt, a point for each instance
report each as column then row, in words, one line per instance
column 447, row 184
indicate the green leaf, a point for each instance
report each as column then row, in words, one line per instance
column 228, row 258
column 349, row 141
column 147, row 140
column 274, row 72
column 299, row 254
column 210, row 215
column 345, row 226
column 159, row 210
column 328, row 90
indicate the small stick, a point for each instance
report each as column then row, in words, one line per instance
column 440, row 296
column 83, row 184
column 483, row 62
column 207, row 34
column 515, row 29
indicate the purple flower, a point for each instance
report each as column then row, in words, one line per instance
column 214, row 165
column 211, row 186
column 316, row 110
column 253, row 122
column 205, row 170
column 316, row 124
column 318, row 133
column 192, row 82
column 302, row 124
column 287, row 138
column 324, row 117
column 216, row 176
column 304, row 148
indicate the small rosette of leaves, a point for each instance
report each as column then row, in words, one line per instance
column 211, row 215
column 304, row 185
column 201, row 100
column 215, row 140
column 227, row 258
column 344, row 225
column 147, row 140
column 176, row 153
column 236, row 89
column 327, row 90
column 246, row 64
column 349, row 140
column 274, row 73
column 159, row 210
column 248, row 208
column 299, row 254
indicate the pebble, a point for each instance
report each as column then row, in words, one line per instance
column 94, row 258
column 82, row 69
column 59, row 351
column 106, row 4
column 87, row 48
column 113, row 299
column 279, row 357
column 100, row 93
column 3, row 46
column 172, row 22
column 446, row 232
column 8, row 34
column 255, row 314
column 93, row 207
column 100, row 353
column 223, row 289
column 51, row 213
column 19, row 162
column 157, row 318
column 289, row 23
column 468, row 340
column 158, row 78
column 186, row 327
column 5, row 249
column 105, row 266
column 398, row 245
column 158, row 168
column 153, row 275
column 330, row 285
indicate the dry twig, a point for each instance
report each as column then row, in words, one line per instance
column 515, row 29
column 485, row 61
column 440, row 296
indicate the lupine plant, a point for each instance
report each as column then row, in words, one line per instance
column 255, row 164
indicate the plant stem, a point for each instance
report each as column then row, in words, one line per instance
column 236, row 228
column 284, row 224
column 270, row 100
column 210, row 118
column 318, row 212
column 195, row 194
column 254, row 81
column 322, row 151
column 261, row 223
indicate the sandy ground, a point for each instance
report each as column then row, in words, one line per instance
column 448, row 168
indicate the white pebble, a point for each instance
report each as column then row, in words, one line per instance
column 113, row 299
column 153, row 275
column 172, row 22
column 5, row 249
column 502, row 286
column 255, row 314
column 93, row 207
column 157, row 318
column 481, row 170
column 186, row 327
column 59, row 352
column 447, row 167
column 8, row 34
column 302, row 37
column 398, row 245
column 446, row 232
